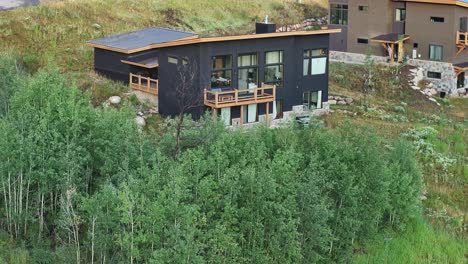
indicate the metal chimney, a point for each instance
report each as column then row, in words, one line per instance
column 265, row 27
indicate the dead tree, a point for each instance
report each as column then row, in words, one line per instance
column 187, row 94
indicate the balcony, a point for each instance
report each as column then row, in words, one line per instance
column 144, row 84
column 461, row 41
column 234, row 97
column 462, row 38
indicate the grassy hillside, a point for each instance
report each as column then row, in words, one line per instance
column 439, row 133
column 57, row 31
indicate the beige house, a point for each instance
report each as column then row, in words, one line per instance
column 433, row 30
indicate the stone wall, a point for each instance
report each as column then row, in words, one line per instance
column 447, row 83
column 355, row 58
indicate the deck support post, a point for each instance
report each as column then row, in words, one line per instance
column 401, row 51
column 267, row 113
column 241, row 115
column 392, row 59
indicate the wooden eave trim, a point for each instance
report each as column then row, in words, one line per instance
column 139, row 64
column 197, row 40
column 440, row 2
column 460, row 69
column 389, row 42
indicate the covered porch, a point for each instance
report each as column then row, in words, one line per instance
column 145, row 76
column 460, row 70
column 394, row 44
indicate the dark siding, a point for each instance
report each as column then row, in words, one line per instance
column 168, row 78
column 108, row 63
column 294, row 83
column 339, row 41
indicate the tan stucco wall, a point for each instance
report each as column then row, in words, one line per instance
column 424, row 32
column 368, row 24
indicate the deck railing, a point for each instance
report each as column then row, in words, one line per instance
column 462, row 38
column 264, row 94
column 144, row 84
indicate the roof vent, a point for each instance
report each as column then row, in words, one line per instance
column 265, row 27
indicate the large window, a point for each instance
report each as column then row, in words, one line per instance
column 400, row 14
column 338, row 14
column 315, row 62
column 221, row 71
column 435, row 52
column 312, row 100
column 463, row 25
column 274, row 68
column 247, row 72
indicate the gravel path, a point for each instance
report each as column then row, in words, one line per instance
column 9, row 4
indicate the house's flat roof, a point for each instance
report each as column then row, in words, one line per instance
column 462, row 65
column 390, row 38
column 141, row 38
column 462, row 3
column 112, row 42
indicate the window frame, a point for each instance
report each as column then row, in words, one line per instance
column 340, row 10
column 280, row 64
column 175, row 58
column 435, row 19
column 438, row 75
column 310, row 57
column 363, row 8
column 362, row 40
column 402, row 13
column 225, row 69
column 441, row 52
column 256, row 67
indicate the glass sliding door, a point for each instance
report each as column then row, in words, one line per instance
column 247, row 72
column 312, row 100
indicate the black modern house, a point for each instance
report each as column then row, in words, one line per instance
column 245, row 79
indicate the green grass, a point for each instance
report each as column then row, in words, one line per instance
column 56, row 32
column 419, row 243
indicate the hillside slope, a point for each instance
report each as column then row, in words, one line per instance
column 57, row 30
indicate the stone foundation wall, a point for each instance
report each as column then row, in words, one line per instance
column 355, row 58
column 447, row 83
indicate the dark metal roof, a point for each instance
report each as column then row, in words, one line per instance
column 461, row 65
column 142, row 38
column 392, row 37
column 150, row 62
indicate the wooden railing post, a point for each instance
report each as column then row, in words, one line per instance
column 205, row 96
column 216, row 99
column 149, row 84
column 131, row 79
column 255, row 94
column 236, row 96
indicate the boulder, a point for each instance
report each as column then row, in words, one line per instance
column 115, row 100
column 349, row 100
column 415, row 87
column 461, row 91
column 332, row 102
column 140, row 121
column 341, row 102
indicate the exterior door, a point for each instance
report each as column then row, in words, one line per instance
column 461, row 80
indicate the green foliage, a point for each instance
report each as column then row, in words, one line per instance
column 418, row 244
column 82, row 184
column 10, row 76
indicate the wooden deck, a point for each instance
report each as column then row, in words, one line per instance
column 144, row 84
column 265, row 94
